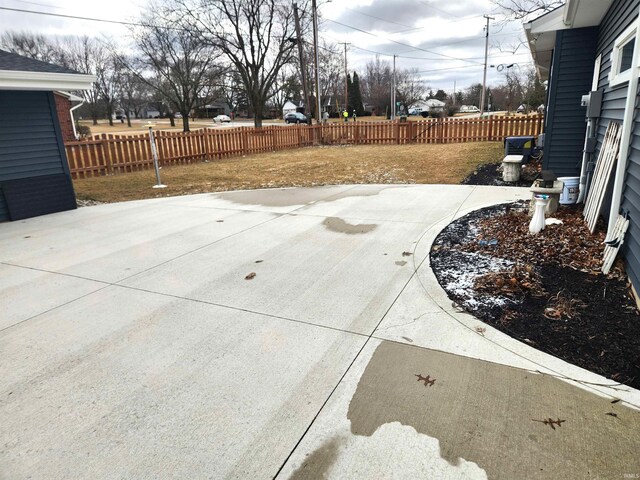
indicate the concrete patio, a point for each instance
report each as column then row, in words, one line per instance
column 132, row 346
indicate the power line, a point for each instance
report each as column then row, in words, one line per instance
column 90, row 19
column 408, row 57
column 399, row 43
column 449, row 68
column 378, row 18
column 39, row 4
column 439, row 10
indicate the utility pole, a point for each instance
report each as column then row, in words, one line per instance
column 303, row 67
column 486, row 54
column 393, row 91
column 314, row 6
column 346, row 76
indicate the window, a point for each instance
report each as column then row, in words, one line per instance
column 622, row 57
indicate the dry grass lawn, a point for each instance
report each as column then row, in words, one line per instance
column 446, row 164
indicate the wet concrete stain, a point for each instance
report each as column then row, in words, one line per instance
column 295, row 196
column 339, row 225
column 482, row 412
column 401, row 263
column 318, row 463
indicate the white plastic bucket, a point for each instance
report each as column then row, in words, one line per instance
column 570, row 191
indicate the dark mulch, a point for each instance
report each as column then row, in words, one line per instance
column 544, row 289
column 490, row 174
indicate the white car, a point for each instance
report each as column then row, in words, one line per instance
column 222, row 119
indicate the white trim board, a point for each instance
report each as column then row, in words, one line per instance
column 22, row 80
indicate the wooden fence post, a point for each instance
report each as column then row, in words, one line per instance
column 490, row 135
column 245, row 140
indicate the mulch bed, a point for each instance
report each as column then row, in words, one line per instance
column 545, row 289
column 491, row 174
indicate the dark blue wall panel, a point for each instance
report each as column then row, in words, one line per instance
column 571, row 76
column 31, row 145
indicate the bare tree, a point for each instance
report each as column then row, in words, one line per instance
column 32, row 45
column 181, row 65
column 410, row 87
column 523, row 9
column 287, row 86
column 231, row 88
column 255, row 35
column 107, row 84
column 132, row 93
column 332, row 75
column 87, row 55
column 376, row 83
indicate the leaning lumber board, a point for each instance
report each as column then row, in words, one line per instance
column 599, row 175
column 604, row 166
column 617, row 236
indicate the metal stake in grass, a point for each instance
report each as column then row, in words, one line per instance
column 154, row 152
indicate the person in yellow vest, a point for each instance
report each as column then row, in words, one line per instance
column 345, row 114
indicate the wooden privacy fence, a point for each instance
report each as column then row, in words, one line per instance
column 108, row 154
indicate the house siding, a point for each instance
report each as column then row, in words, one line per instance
column 619, row 17
column 571, row 76
column 30, row 140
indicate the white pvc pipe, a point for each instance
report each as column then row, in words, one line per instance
column 627, row 130
column 582, row 192
column 73, row 120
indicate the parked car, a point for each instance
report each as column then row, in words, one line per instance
column 177, row 115
column 521, row 109
column 415, row 111
column 295, row 117
column 469, row 109
column 222, row 119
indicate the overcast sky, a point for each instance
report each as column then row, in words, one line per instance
column 444, row 39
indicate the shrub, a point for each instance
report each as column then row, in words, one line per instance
column 83, row 131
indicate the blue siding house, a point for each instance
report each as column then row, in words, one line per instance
column 594, row 45
column 34, row 173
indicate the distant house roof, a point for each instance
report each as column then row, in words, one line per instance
column 23, row 73
column 434, row 102
column 427, row 104
column 289, row 106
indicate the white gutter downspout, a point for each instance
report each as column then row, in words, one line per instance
column 73, row 120
column 627, row 131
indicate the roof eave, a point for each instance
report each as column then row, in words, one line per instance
column 23, row 80
column 541, row 32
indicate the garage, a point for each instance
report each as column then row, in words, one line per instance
column 34, row 173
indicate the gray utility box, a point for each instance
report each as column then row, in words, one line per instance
column 593, row 102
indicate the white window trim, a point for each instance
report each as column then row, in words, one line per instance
column 615, row 77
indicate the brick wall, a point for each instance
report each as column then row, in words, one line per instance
column 63, row 104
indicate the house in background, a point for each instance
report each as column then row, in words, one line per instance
column 215, row 108
column 289, row 107
column 425, row 107
column 34, row 173
column 594, row 46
